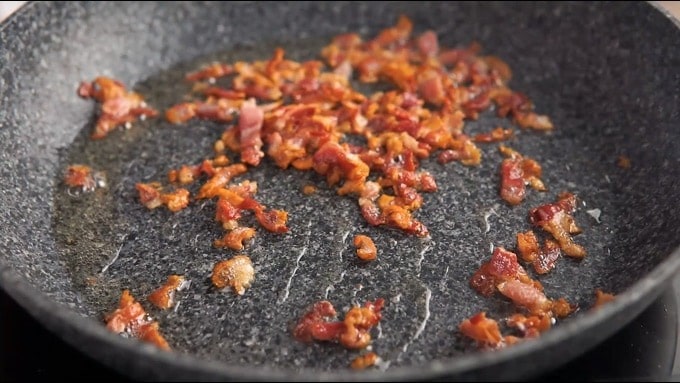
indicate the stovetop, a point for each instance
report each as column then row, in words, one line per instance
column 643, row 350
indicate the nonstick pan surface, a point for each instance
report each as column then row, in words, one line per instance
column 607, row 74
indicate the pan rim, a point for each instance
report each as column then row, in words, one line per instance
column 47, row 311
column 52, row 315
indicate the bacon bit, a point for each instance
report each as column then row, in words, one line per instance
column 525, row 295
column 235, row 238
column 517, row 172
column 602, row 298
column 237, row 273
column 212, row 71
column 250, row 126
column 531, row 326
column 623, row 162
column 82, row 176
column 364, row 361
column 542, row 260
column 130, row 318
column 557, row 220
column 496, row 135
column 502, row 266
column 528, row 247
column 317, row 324
column 353, row 332
column 164, row 296
column 561, row 308
column 177, row 200
column 149, row 194
column 547, row 258
column 482, row 329
column 309, row 189
column 118, row 106
column 219, row 180
column 366, row 250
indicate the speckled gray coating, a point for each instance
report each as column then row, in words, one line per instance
column 607, row 74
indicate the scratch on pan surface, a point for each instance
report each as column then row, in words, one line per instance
column 115, row 257
column 286, row 291
column 421, row 327
column 331, row 287
column 487, row 214
column 344, row 238
column 442, row 283
column 425, row 249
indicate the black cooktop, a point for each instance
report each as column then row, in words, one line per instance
column 643, row 350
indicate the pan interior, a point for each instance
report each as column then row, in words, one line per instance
column 616, row 95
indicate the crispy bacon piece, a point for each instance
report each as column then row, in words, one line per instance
column 502, row 266
column 237, row 273
column 212, row 71
column 547, row 258
column 366, row 250
column 250, row 127
column 498, row 134
column 623, row 162
column 543, row 260
column 150, row 195
column 130, row 318
column 525, row 295
column 364, row 361
column 83, row 177
column 531, row 326
column 602, row 298
column 177, row 200
column 353, row 332
column 557, row 220
column 482, row 329
column 517, row 172
column 164, row 296
column 118, row 106
column 309, row 189
column 235, row 238
column 318, row 324
column 219, row 180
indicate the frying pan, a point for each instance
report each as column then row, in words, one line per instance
column 607, row 74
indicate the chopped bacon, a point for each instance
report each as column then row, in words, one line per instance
column 525, row 295
column 557, row 220
column 118, row 106
column 547, row 258
column 353, row 332
column 502, row 266
column 498, row 134
column 83, row 177
column 428, row 44
column 250, row 126
column 544, row 259
column 623, row 162
column 309, row 189
column 219, row 180
column 164, row 296
column 364, row 361
column 366, row 250
column 177, row 200
column 235, row 238
column 130, row 318
column 149, row 194
column 531, row 326
column 517, row 172
column 237, row 273
column 482, row 329
column 602, row 298
column 212, row 71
